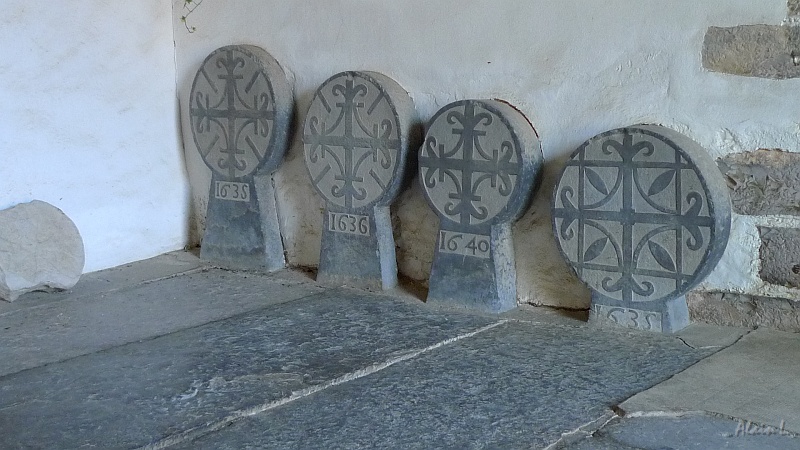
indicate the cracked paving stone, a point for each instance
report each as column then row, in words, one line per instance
column 85, row 324
column 691, row 432
column 139, row 393
column 517, row 385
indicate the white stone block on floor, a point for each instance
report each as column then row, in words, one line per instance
column 40, row 249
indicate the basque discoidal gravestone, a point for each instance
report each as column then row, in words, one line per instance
column 478, row 166
column 356, row 139
column 642, row 215
column 241, row 109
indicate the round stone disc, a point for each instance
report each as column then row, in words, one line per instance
column 641, row 214
column 355, row 139
column 479, row 162
column 240, row 108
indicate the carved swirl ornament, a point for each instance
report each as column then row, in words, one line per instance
column 352, row 140
column 469, row 164
column 232, row 112
column 632, row 216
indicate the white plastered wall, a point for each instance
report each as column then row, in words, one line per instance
column 88, row 122
column 575, row 68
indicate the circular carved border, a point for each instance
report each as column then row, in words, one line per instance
column 640, row 217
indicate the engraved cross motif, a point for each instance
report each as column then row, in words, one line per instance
column 475, row 165
column 233, row 114
column 366, row 145
column 631, row 160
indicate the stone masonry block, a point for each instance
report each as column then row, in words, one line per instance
column 764, row 51
column 793, row 7
column 780, row 256
column 40, row 249
column 763, row 182
column 741, row 310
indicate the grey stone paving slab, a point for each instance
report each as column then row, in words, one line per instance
column 693, row 432
column 115, row 278
column 754, row 379
column 40, row 249
column 357, row 137
column 241, row 108
column 642, row 215
column 702, row 335
column 88, row 323
column 138, row 393
column 514, row 386
column 479, row 167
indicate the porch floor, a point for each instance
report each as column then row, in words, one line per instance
column 172, row 352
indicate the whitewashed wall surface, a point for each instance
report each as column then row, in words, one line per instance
column 575, row 69
column 88, row 122
column 93, row 91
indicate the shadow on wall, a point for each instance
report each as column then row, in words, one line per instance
column 543, row 277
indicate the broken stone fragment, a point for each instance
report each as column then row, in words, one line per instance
column 40, row 249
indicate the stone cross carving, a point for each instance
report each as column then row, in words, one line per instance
column 478, row 166
column 241, row 109
column 642, row 215
column 356, row 139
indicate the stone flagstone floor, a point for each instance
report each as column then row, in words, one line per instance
column 172, row 353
